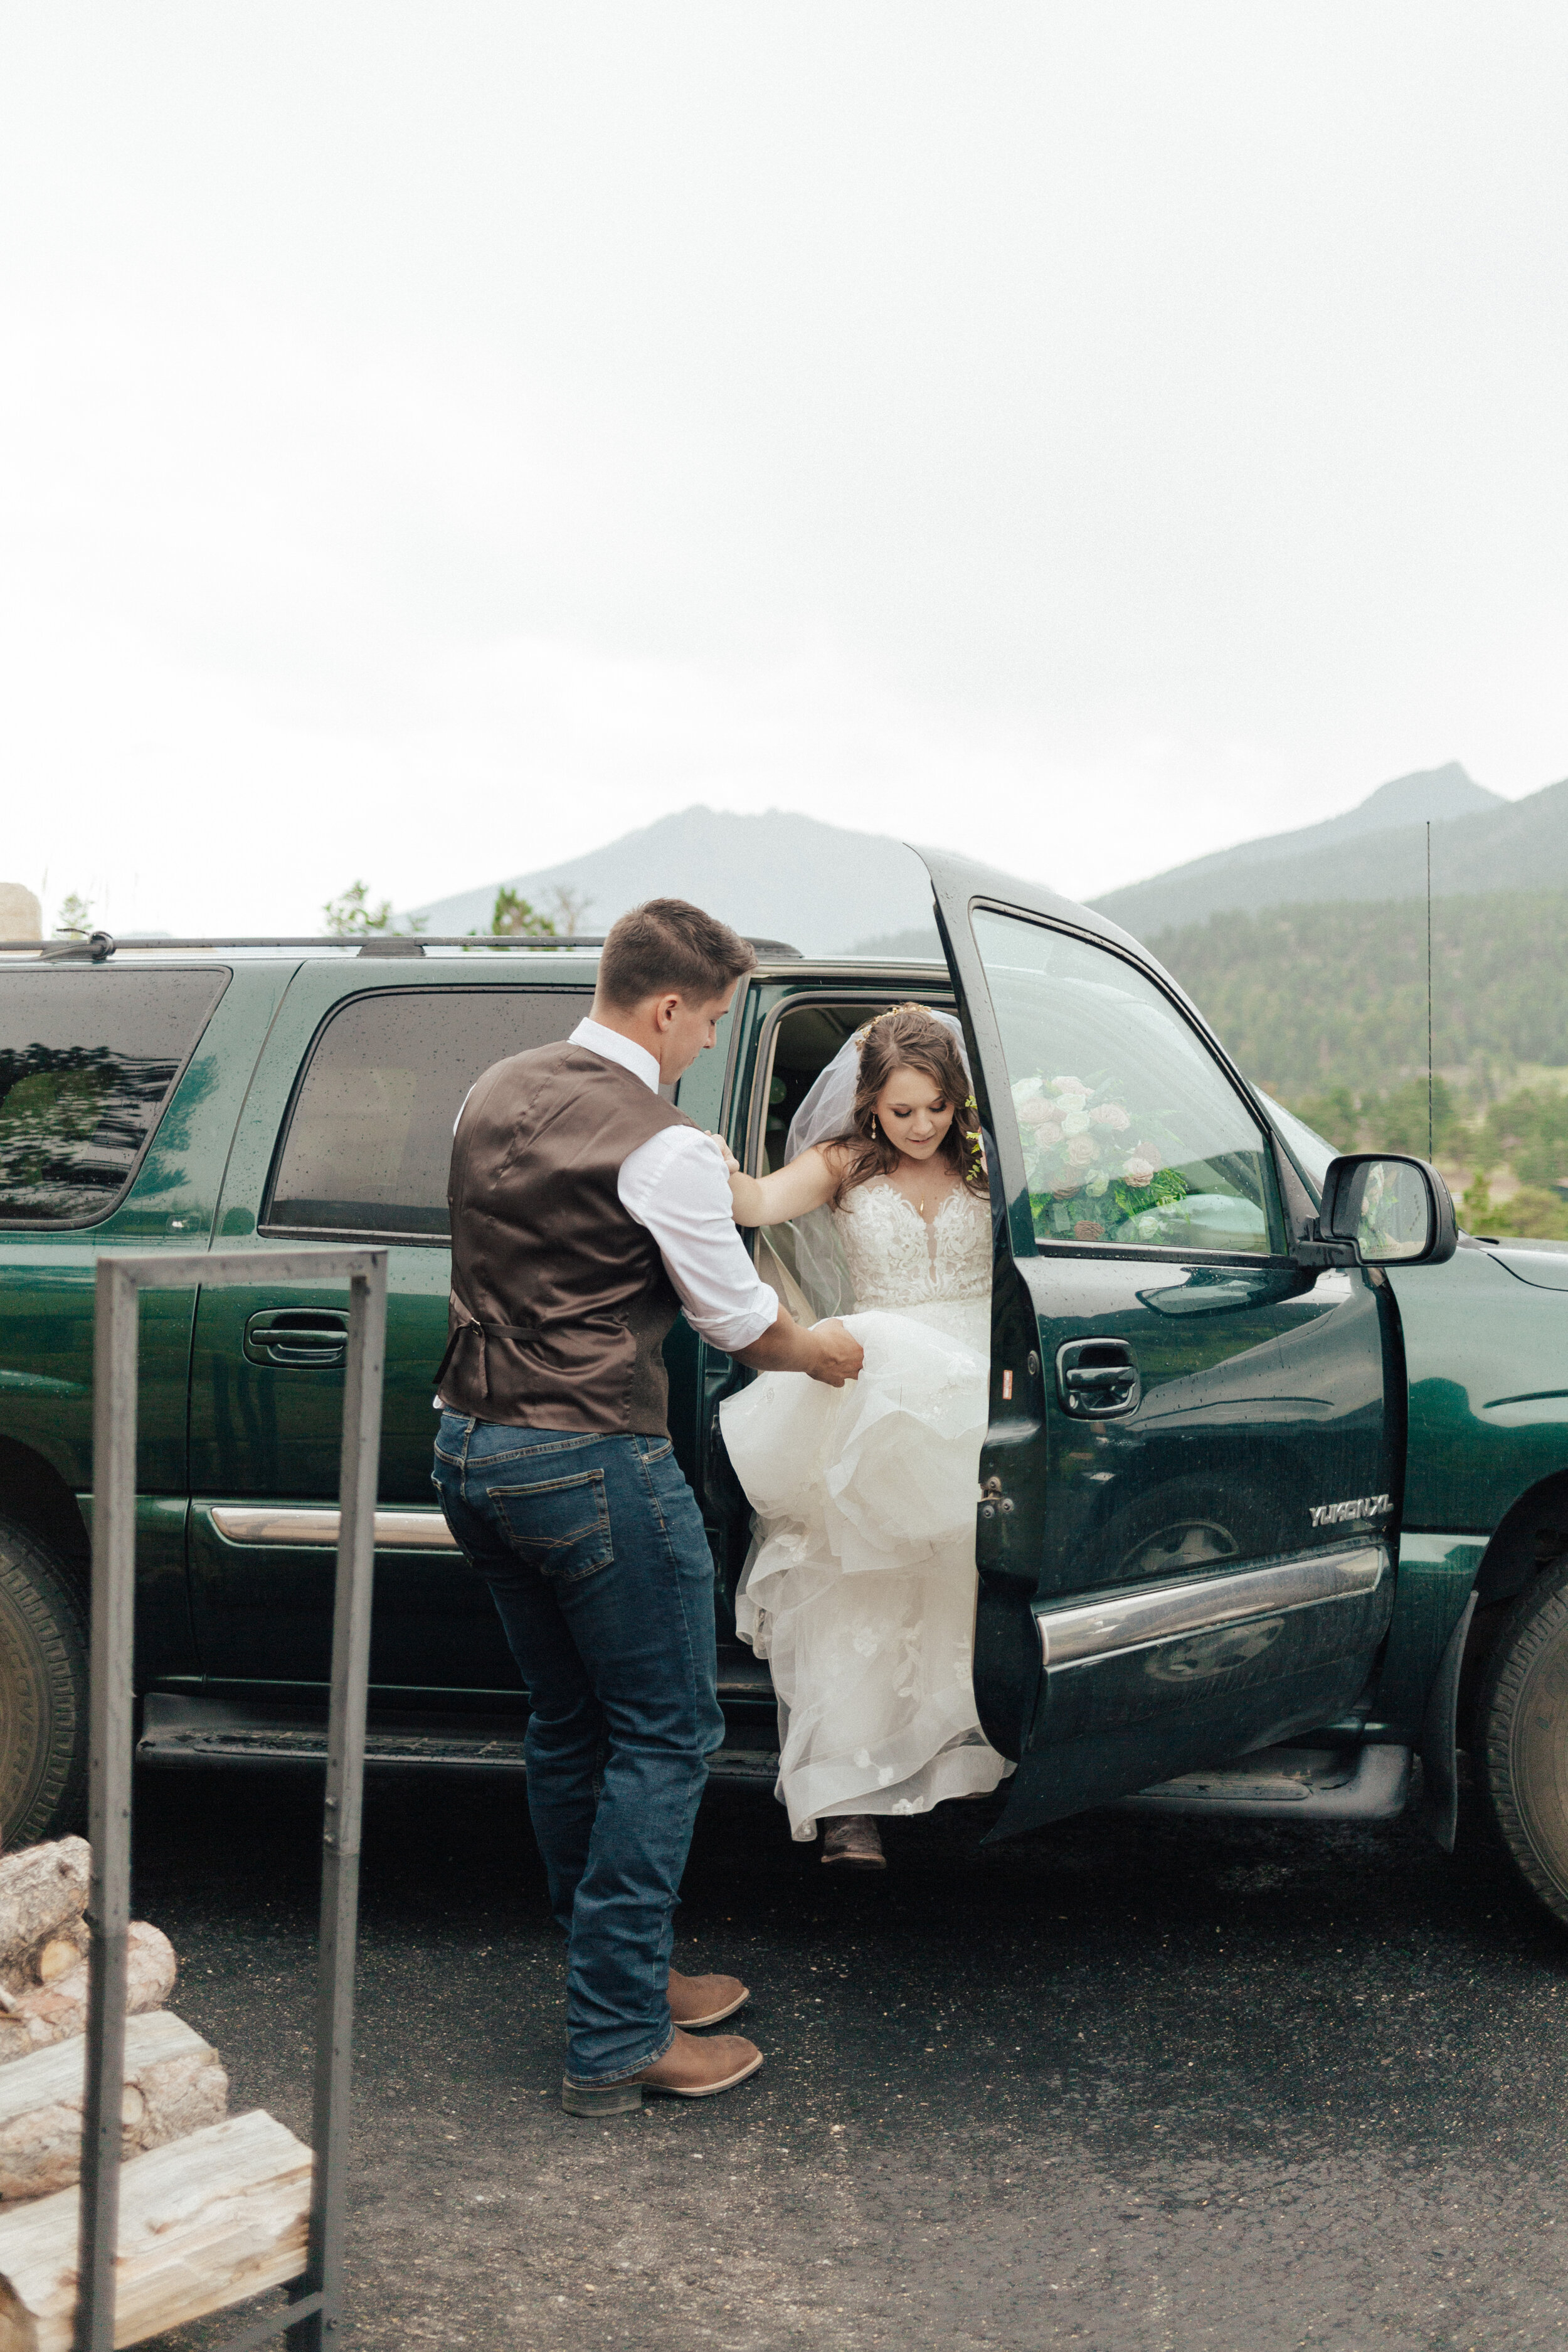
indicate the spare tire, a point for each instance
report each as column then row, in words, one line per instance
column 43, row 1690
column 1522, row 1724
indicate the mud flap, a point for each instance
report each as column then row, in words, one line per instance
column 1440, row 1809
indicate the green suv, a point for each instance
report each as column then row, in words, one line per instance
column 1274, row 1497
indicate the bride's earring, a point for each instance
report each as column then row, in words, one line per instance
column 876, row 1138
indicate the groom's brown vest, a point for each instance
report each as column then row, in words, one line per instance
column 560, row 1300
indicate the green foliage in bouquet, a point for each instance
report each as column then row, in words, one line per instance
column 1168, row 1185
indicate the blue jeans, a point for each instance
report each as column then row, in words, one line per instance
column 595, row 1552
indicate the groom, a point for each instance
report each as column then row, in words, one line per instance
column 586, row 1213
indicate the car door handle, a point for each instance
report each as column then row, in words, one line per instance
column 314, row 1338
column 1098, row 1379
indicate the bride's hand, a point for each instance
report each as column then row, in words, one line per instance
column 731, row 1165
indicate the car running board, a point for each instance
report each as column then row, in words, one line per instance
column 176, row 1731
column 1291, row 1784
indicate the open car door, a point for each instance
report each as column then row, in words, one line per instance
column 1189, row 1480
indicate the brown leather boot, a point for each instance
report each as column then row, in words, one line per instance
column 689, row 2069
column 704, row 2001
column 853, row 1841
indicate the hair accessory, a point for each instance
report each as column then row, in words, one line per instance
column 866, row 1027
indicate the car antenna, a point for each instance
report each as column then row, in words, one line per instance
column 1429, row 1151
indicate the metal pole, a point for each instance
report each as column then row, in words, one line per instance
column 1430, row 1154
column 108, row 1793
column 343, row 1805
column 316, row 2303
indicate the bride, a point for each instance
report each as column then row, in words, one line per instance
column 860, row 1585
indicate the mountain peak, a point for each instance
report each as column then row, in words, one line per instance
column 1377, row 850
column 774, row 875
column 1437, row 793
column 1441, row 794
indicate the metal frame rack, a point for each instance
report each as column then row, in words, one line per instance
column 97, row 947
column 314, row 2312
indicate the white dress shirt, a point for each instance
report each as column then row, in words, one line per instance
column 677, row 1186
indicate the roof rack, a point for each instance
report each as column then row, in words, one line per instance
column 97, row 947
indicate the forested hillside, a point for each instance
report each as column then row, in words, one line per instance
column 1312, row 997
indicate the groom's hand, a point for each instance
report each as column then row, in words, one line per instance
column 828, row 1352
column 842, row 1355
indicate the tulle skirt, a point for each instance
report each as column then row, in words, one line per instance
column 860, row 1585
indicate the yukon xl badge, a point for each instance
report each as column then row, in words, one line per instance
column 1360, row 1507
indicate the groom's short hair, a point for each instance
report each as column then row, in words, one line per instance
column 669, row 946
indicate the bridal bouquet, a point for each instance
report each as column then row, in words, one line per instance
column 1091, row 1171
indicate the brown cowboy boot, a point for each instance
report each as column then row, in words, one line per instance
column 853, row 1841
column 689, row 2069
column 704, row 2001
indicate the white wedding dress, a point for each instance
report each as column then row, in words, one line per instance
column 860, row 1587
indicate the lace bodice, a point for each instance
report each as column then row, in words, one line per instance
column 895, row 1259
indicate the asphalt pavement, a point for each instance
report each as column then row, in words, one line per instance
column 1123, row 2086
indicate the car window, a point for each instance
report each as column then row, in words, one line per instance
column 1130, row 1132
column 88, row 1061
column 368, row 1140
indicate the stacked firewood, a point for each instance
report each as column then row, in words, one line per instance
column 213, row 2208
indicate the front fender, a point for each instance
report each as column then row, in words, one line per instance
column 1487, row 1361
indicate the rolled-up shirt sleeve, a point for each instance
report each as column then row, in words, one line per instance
column 675, row 1185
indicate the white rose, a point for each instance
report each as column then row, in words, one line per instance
column 1075, row 1122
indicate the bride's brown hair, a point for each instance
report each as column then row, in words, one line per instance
column 908, row 1037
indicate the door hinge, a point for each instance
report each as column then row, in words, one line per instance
column 993, row 1503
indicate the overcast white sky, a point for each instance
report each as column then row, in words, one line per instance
column 435, row 439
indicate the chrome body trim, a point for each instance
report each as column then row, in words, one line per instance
column 318, row 1530
column 1123, row 1621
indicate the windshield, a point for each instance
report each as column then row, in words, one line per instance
column 1309, row 1147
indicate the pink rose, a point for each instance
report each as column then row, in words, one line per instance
column 1109, row 1115
column 1081, row 1151
column 1066, row 1192
column 1086, row 1229
column 1138, row 1172
column 1036, row 1113
column 1069, row 1086
column 1049, row 1135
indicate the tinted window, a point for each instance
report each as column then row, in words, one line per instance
column 1130, row 1132
column 88, row 1060
column 369, row 1141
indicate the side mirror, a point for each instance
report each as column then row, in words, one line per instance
column 1393, row 1210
